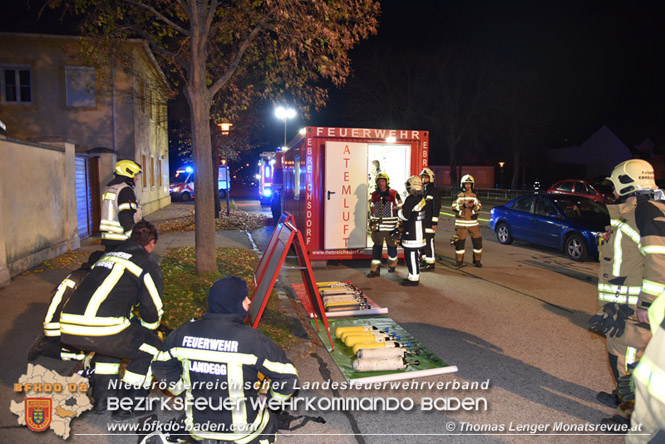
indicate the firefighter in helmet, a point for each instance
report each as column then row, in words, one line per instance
column 412, row 214
column 120, row 208
column 466, row 207
column 432, row 209
column 631, row 274
column 383, row 206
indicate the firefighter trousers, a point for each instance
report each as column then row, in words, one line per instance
column 52, row 348
column 476, row 241
column 629, row 347
column 135, row 343
column 412, row 263
column 378, row 238
column 427, row 251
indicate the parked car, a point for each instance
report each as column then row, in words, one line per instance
column 578, row 187
column 572, row 224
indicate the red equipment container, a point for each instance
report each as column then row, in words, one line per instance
column 328, row 178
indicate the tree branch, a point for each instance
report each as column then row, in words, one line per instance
column 217, row 85
column 159, row 15
column 161, row 50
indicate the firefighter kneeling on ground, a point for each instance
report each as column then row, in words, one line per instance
column 631, row 274
column 466, row 207
column 48, row 343
column 413, row 235
column 221, row 352
column 98, row 318
column 383, row 206
column 120, row 208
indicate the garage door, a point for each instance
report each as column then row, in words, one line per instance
column 83, row 197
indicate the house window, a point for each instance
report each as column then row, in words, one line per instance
column 80, row 86
column 144, row 181
column 16, row 84
column 142, row 94
column 159, row 170
column 152, row 171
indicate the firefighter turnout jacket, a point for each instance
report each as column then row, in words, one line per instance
column 120, row 280
column 466, row 207
column 120, row 211
column 217, row 360
column 632, row 269
column 413, row 215
column 433, row 207
column 383, row 210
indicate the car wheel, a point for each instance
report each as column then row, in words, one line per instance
column 503, row 234
column 575, row 248
column 186, row 197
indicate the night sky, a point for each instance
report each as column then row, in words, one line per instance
column 598, row 62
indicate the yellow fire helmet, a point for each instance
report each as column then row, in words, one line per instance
column 429, row 173
column 631, row 176
column 414, row 185
column 127, row 168
column 382, row 176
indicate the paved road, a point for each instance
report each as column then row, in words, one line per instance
column 519, row 323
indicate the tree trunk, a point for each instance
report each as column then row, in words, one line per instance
column 199, row 104
column 215, row 180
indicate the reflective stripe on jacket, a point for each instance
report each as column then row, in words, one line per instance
column 465, row 216
column 110, row 226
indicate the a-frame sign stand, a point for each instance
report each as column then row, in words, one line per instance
column 285, row 235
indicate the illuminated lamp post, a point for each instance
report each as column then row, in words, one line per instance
column 285, row 114
column 225, row 128
column 501, row 164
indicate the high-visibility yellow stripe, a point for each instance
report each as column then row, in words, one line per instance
column 70, row 356
column 279, row 367
column 279, row 396
column 129, row 265
column 435, row 219
column 652, row 288
column 154, row 294
column 107, row 368
column 104, row 289
column 90, row 321
column 459, row 251
column 150, row 326
column 631, row 354
column 149, row 349
column 213, row 356
column 478, row 251
column 57, row 298
column 656, row 313
column 162, row 356
column 134, row 379
column 627, row 229
column 86, row 330
column 618, row 254
column 630, row 300
column 653, row 249
column 108, row 196
column 653, row 377
column 120, row 237
column 619, row 289
column 235, row 380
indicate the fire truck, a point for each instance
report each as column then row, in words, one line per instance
column 182, row 186
column 266, row 172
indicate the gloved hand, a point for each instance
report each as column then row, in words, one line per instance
column 603, row 322
column 619, row 325
column 626, row 389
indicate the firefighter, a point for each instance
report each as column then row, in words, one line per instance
column 383, row 219
column 217, row 360
column 649, row 388
column 98, row 317
column 413, row 234
column 48, row 344
column 466, row 207
column 632, row 271
column 432, row 210
column 120, row 208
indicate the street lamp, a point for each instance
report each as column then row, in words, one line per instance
column 285, row 114
column 501, row 164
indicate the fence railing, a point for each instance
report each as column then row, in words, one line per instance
column 486, row 193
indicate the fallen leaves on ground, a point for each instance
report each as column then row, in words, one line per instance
column 237, row 220
column 186, row 293
column 70, row 259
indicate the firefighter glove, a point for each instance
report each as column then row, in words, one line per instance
column 602, row 322
column 626, row 388
column 454, row 239
column 623, row 313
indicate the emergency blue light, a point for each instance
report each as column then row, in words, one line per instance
column 189, row 169
column 267, row 192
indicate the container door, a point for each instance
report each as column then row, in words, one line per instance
column 345, row 195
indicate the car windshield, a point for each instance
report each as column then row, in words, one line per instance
column 580, row 207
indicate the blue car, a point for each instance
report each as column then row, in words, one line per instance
column 570, row 223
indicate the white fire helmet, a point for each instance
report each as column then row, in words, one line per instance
column 467, row 178
column 414, row 185
column 631, row 176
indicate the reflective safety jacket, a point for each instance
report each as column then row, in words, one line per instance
column 123, row 278
column 59, row 298
column 383, row 210
column 433, row 207
column 632, row 267
column 217, row 360
column 120, row 210
column 413, row 215
column 649, row 378
column 466, row 206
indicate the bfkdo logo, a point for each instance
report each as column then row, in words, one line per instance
column 38, row 413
